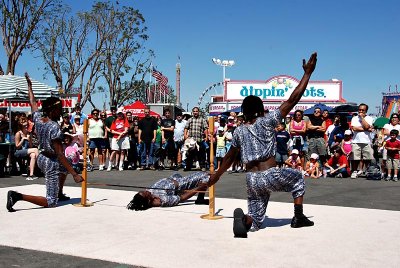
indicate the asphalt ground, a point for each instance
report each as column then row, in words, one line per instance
column 360, row 193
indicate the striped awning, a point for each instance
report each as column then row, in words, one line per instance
column 15, row 88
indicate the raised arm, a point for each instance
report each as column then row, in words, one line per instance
column 296, row 95
column 32, row 99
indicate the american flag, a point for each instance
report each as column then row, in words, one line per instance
column 161, row 80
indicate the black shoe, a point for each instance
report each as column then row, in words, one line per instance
column 239, row 226
column 303, row 221
column 202, row 201
column 187, row 169
column 11, row 200
column 62, row 197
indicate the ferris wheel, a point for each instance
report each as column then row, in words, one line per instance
column 218, row 90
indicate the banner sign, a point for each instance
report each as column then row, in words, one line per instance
column 66, row 103
column 279, row 88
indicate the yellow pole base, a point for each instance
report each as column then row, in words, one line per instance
column 211, row 217
column 88, row 204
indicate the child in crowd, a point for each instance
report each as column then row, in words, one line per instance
column 337, row 166
column 345, row 145
column 294, row 161
column 392, row 146
column 282, row 138
column 71, row 151
column 220, row 152
column 312, row 167
column 337, row 141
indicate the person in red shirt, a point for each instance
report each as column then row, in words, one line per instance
column 328, row 122
column 338, row 166
column 120, row 141
column 392, row 146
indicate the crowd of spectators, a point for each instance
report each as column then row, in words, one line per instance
column 320, row 144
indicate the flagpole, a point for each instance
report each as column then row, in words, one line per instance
column 149, row 87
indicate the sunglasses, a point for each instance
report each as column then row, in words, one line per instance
column 95, row 113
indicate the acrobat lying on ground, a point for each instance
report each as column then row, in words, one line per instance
column 168, row 192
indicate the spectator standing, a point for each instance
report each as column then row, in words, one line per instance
column 282, row 139
column 120, row 140
column 179, row 134
column 220, row 150
column 327, row 120
column 297, row 129
column 196, row 128
column 78, row 111
column 392, row 146
column 362, row 140
column 132, row 134
column 147, row 137
column 393, row 124
column 66, row 125
column 158, row 153
column 108, row 122
column 97, row 139
column 315, row 135
column 167, row 128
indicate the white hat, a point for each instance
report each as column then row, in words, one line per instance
column 231, row 117
column 295, row 151
column 220, row 129
column 314, row 156
column 347, row 132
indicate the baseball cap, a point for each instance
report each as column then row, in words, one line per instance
column 347, row 132
column 339, row 136
column 314, row 156
column 295, row 151
column 231, row 117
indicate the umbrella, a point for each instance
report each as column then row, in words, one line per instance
column 15, row 88
column 318, row 105
column 380, row 122
column 347, row 108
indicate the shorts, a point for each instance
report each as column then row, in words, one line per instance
column 121, row 144
column 392, row 163
column 281, row 158
column 98, row 143
column 220, row 153
column 21, row 153
column 317, row 145
column 362, row 151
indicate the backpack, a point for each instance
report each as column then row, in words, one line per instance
column 373, row 172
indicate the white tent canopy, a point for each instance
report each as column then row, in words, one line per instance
column 15, row 88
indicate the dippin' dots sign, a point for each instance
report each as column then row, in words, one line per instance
column 280, row 88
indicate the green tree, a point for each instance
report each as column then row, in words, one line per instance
column 19, row 19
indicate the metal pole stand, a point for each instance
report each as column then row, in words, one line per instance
column 211, row 191
column 84, row 202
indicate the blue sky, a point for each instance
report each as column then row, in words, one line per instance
column 357, row 42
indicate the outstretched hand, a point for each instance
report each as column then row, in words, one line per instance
column 309, row 67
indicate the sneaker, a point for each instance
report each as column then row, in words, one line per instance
column 89, row 168
column 129, row 167
column 303, row 221
column 109, row 168
column 383, row 176
column 140, row 168
column 354, row 175
column 239, row 226
column 395, row 179
column 387, row 178
column 11, row 200
column 62, row 197
column 101, row 167
column 359, row 172
column 24, row 174
column 203, row 169
column 31, row 178
column 152, row 168
column 339, row 175
column 121, row 169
